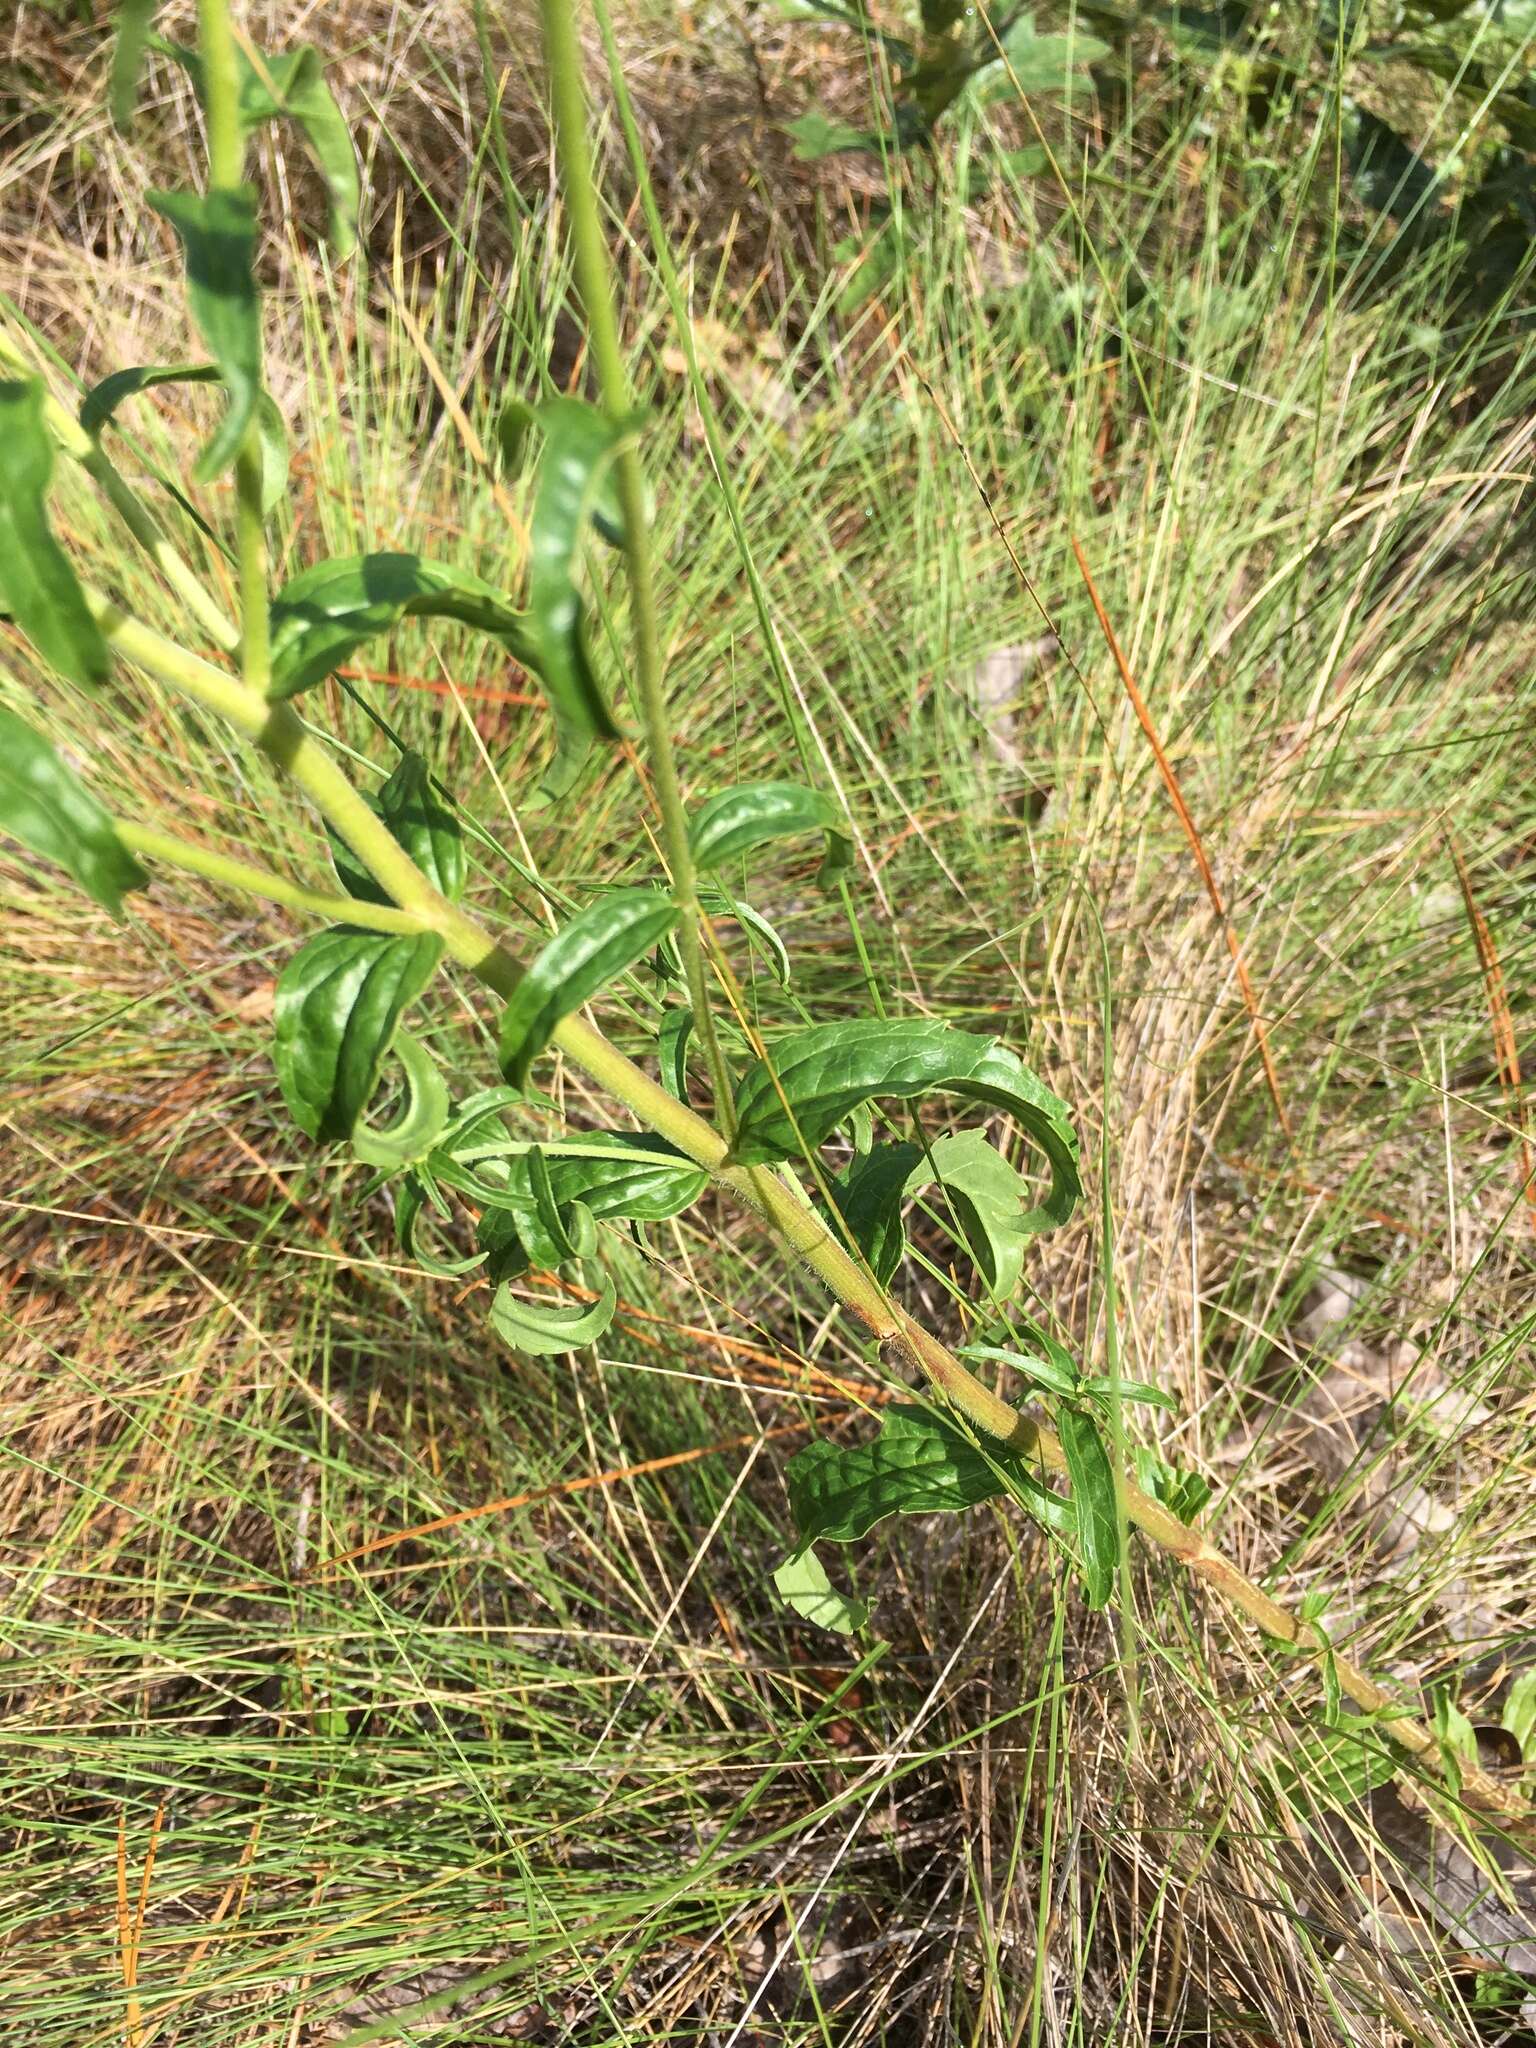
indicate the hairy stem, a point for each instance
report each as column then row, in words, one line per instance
column 904, row 1345
column 562, row 49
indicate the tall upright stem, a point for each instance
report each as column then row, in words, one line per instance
column 226, row 166
column 594, row 281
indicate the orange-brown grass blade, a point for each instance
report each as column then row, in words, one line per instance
column 1192, row 833
column 1506, row 1048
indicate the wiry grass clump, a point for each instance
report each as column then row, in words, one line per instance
column 286, row 1763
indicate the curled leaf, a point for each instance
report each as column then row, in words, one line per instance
column 600, row 942
column 339, row 1001
column 45, row 805
column 102, row 401
column 218, row 233
column 737, row 820
column 814, row 1079
column 414, row 1193
column 326, row 612
column 579, row 445
column 420, row 1123
column 672, row 1049
column 38, row 587
column 542, row 1328
column 419, row 822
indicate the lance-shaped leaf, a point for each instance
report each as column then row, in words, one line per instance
column 102, row 401
column 37, row 585
column 672, row 1049
column 814, row 1079
column 418, row 821
column 45, row 805
column 422, row 1117
column 579, row 445
column 869, row 1198
column 802, row 1584
column 919, row 1464
column 1093, row 1496
column 134, row 19
column 338, row 1004
column 218, row 233
column 737, row 820
column 290, row 85
column 414, row 1194
column 600, row 942
column 325, row 613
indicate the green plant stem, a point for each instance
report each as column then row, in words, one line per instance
column 226, row 166
column 904, row 1345
column 589, row 250
column 253, row 881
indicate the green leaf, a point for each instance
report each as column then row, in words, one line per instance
column 600, row 942
column 1043, row 64
column 339, row 1001
column 420, row 1123
column 611, row 1174
column 816, row 1078
column 1519, row 1715
column 134, row 19
column 1093, row 1494
column 542, row 1331
column 413, row 1193
column 291, row 86
column 38, row 587
column 917, row 1465
column 326, row 612
column 48, row 808
column 218, row 232
column 1184, row 1494
column 1051, row 1375
column 420, row 823
column 817, row 134
column 672, row 1049
column 541, row 1328
column 802, row 1584
column 1106, row 1391
column 103, row 399
column 737, row 820
column 869, row 1198
column 579, row 445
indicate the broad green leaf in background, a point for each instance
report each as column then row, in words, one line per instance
column 737, row 820
column 917, row 1465
column 291, row 85
column 38, row 587
column 103, row 399
column 802, row 1584
column 599, row 942
column 327, row 612
column 45, row 805
column 1519, row 1715
column 815, row 1078
column 218, row 233
column 869, row 1197
column 420, row 822
column 579, row 446
column 134, row 19
column 339, row 1001
column 421, row 1120
column 1045, row 64
column 1093, row 1496
column 817, row 134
